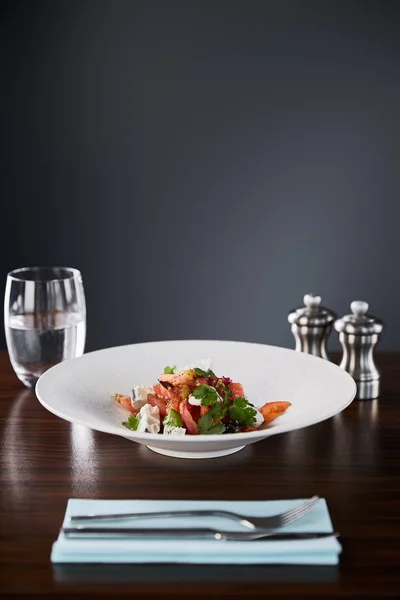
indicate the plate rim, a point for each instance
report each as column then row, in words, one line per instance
column 195, row 439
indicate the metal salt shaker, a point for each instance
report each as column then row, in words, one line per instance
column 359, row 334
column 311, row 326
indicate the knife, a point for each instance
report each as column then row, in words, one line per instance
column 87, row 532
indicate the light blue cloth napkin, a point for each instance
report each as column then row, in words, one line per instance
column 207, row 551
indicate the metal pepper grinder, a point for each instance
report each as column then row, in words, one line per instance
column 359, row 334
column 311, row 326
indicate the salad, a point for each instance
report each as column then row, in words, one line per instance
column 195, row 401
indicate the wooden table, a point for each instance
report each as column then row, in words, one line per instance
column 353, row 460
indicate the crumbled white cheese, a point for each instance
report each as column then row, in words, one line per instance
column 204, row 364
column 139, row 395
column 194, row 401
column 259, row 419
column 149, row 419
column 174, row 430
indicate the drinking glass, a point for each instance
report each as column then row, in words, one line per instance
column 44, row 319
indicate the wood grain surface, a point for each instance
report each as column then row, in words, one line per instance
column 353, row 460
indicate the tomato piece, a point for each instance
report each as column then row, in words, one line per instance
column 194, row 411
column 126, row 403
column 237, row 390
column 160, row 402
column 204, row 410
column 271, row 410
column 188, row 420
column 162, row 392
column 174, row 403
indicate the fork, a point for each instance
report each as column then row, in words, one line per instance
column 271, row 522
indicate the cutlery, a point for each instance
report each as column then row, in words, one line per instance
column 271, row 522
column 83, row 532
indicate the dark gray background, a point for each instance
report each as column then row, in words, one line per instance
column 204, row 163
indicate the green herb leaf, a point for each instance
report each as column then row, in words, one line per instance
column 242, row 411
column 202, row 373
column 169, row 370
column 228, row 393
column 173, row 419
column 207, row 423
column 132, row 423
column 217, row 429
column 207, row 394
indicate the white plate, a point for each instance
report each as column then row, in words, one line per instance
column 81, row 390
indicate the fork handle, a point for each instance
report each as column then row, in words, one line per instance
column 121, row 532
column 164, row 513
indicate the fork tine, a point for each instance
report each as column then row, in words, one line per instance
column 299, row 511
column 302, row 508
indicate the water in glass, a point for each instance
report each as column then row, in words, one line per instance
column 45, row 319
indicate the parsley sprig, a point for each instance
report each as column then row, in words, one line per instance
column 202, row 373
column 170, row 370
column 173, row 419
column 238, row 409
column 132, row 422
column 243, row 412
column 207, row 394
column 210, row 422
